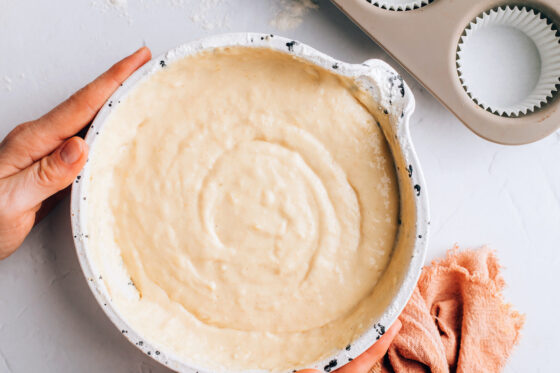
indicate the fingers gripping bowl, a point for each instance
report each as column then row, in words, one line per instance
column 169, row 314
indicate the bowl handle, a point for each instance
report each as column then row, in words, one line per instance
column 388, row 92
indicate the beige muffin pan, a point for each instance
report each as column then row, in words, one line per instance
column 494, row 64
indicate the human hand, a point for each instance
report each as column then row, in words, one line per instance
column 365, row 362
column 40, row 159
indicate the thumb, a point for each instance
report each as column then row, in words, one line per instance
column 50, row 174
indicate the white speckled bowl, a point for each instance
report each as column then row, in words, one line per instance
column 388, row 97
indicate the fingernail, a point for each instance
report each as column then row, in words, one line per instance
column 140, row 49
column 398, row 324
column 71, row 151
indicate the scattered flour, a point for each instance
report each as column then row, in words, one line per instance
column 118, row 3
column 207, row 17
column 119, row 7
column 7, row 83
column 207, row 14
column 291, row 13
column 211, row 14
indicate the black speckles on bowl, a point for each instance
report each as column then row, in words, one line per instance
column 380, row 329
column 291, row 45
column 331, row 365
column 396, row 102
column 398, row 80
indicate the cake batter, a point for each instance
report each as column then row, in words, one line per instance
column 243, row 204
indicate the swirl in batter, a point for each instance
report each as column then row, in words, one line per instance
column 253, row 201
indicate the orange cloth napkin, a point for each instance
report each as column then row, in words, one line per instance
column 456, row 319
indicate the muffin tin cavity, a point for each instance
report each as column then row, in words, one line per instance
column 508, row 60
column 400, row 5
column 495, row 64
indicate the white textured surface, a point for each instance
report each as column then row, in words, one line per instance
column 507, row 197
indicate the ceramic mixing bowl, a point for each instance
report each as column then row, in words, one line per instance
column 387, row 97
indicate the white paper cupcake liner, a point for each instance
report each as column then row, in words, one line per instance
column 537, row 29
column 399, row 4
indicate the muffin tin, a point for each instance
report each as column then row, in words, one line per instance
column 447, row 46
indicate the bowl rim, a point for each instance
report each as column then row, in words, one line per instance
column 379, row 79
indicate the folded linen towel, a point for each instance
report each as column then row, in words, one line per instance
column 456, row 319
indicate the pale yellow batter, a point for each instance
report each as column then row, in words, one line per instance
column 250, row 201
